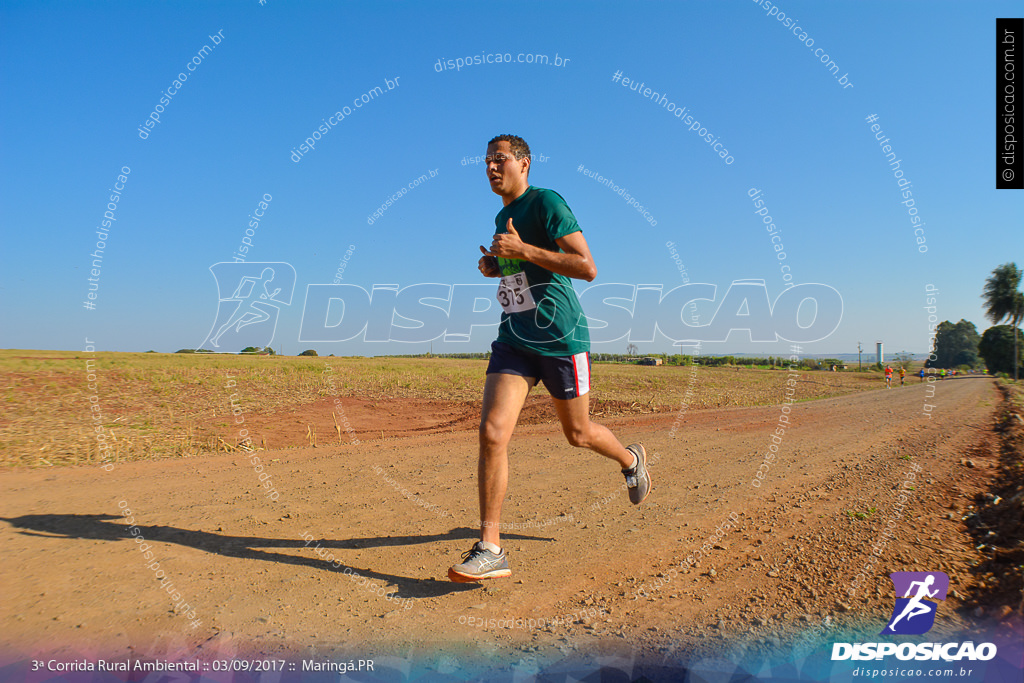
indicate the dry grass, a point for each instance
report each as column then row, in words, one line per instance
column 174, row 405
column 660, row 386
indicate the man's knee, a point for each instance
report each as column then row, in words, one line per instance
column 578, row 437
column 492, row 436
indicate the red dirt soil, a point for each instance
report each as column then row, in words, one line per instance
column 401, row 509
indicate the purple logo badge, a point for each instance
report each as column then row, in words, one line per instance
column 915, row 608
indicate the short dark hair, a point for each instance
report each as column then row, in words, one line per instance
column 518, row 145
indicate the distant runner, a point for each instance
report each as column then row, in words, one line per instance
column 536, row 249
column 903, row 374
column 888, row 377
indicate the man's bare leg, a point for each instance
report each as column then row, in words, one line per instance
column 504, row 396
column 574, row 415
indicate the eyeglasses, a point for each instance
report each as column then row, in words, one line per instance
column 497, row 158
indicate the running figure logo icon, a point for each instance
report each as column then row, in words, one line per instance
column 249, row 298
column 914, row 612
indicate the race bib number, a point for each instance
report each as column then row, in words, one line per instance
column 514, row 293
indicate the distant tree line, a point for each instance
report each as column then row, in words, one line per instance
column 263, row 351
column 959, row 346
column 956, row 346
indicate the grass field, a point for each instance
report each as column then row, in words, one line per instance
column 155, row 405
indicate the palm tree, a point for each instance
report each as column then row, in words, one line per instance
column 1004, row 300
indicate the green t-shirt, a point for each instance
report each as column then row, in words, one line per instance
column 546, row 317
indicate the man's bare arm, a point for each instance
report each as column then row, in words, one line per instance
column 576, row 262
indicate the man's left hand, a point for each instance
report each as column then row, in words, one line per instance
column 509, row 245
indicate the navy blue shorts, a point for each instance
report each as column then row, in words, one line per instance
column 565, row 377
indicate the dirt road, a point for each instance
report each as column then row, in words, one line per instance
column 776, row 561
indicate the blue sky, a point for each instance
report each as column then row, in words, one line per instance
column 79, row 80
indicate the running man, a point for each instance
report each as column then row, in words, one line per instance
column 537, row 247
column 903, row 374
column 888, row 377
column 915, row 607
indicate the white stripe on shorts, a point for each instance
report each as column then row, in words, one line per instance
column 581, row 368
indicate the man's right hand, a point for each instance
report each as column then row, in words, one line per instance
column 488, row 265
